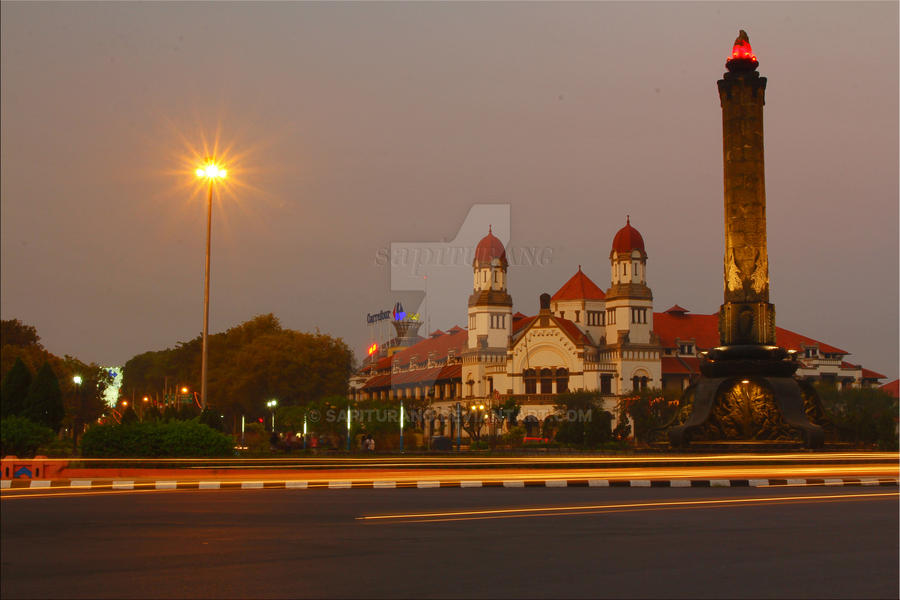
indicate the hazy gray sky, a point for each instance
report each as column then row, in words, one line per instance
column 354, row 126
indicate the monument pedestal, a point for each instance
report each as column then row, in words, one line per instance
column 748, row 392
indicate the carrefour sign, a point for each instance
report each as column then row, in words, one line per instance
column 379, row 316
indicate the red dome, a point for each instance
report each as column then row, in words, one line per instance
column 490, row 248
column 628, row 239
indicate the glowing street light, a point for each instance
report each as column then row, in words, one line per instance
column 212, row 172
column 77, row 381
column 272, row 404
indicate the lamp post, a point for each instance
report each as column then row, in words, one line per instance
column 272, row 404
column 79, row 411
column 211, row 172
column 401, row 425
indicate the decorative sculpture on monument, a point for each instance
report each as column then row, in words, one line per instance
column 747, row 391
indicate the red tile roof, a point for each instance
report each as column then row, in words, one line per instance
column 680, row 365
column 704, row 329
column 431, row 375
column 572, row 330
column 870, row 374
column 579, row 287
column 457, row 339
column 521, row 323
column 676, row 310
column 892, row 388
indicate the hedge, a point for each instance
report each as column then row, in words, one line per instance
column 155, row 439
column 21, row 437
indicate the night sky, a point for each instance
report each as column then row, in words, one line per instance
column 349, row 127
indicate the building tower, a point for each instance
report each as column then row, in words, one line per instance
column 629, row 302
column 747, row 390
column 490, row 316
column 630, row 343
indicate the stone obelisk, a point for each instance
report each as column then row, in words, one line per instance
column 746, row 317
column 747, row 391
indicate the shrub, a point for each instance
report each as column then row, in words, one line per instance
column 21, row 437
column 864, row 415
column 514, row 436
column 256, row 438
column 155, row 439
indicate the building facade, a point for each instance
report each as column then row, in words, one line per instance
column 582, row 338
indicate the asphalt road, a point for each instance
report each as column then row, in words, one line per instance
column 517, row 543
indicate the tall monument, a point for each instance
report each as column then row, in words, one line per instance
column 747, row 391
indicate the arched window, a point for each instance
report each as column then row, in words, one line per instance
column 562, row 381
column 530, row 381
column 546, row 381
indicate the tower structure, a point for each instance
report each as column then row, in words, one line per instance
column 629, row 302
column 747, row 390
column 490, row 316
column 746, row 316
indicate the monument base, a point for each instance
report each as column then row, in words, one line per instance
column 748, row 393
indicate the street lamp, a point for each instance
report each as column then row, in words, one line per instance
column 77, row 381
column 211, row 172
column 272, row 404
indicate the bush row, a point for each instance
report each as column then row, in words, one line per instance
column 155, row 439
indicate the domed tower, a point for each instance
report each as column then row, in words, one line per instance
column 490, row 319
column 490, row 306
column 629, row 302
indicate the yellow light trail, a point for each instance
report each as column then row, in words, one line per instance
column 805, row 456
column 563, row 510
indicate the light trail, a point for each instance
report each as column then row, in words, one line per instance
column 398, row 461
column 580, row 509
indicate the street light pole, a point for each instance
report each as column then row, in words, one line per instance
column 211, row 172
column 80, row 410
column 206, row 300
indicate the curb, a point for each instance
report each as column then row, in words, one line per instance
column 109, row 484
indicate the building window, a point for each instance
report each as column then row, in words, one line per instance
column 471, row 321
column 578, row 316
column 490, row 381
column 812, row 353
column 638, row 315
column 611, row 316
column 595, row 318
column 498, row 321
column 606, row 384
column 686, row 349
column 562, row 314
column 530, row 377
column 562, row 381
column 639, row 383
column 546, row 381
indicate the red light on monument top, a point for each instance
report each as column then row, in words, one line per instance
column 742, row 57
column 742, row 49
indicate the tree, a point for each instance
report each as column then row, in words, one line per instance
column 15, row 333
column 650, row 411
column 249, row 364
column 14, row 389
column 44, row 404
column 583, row 421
